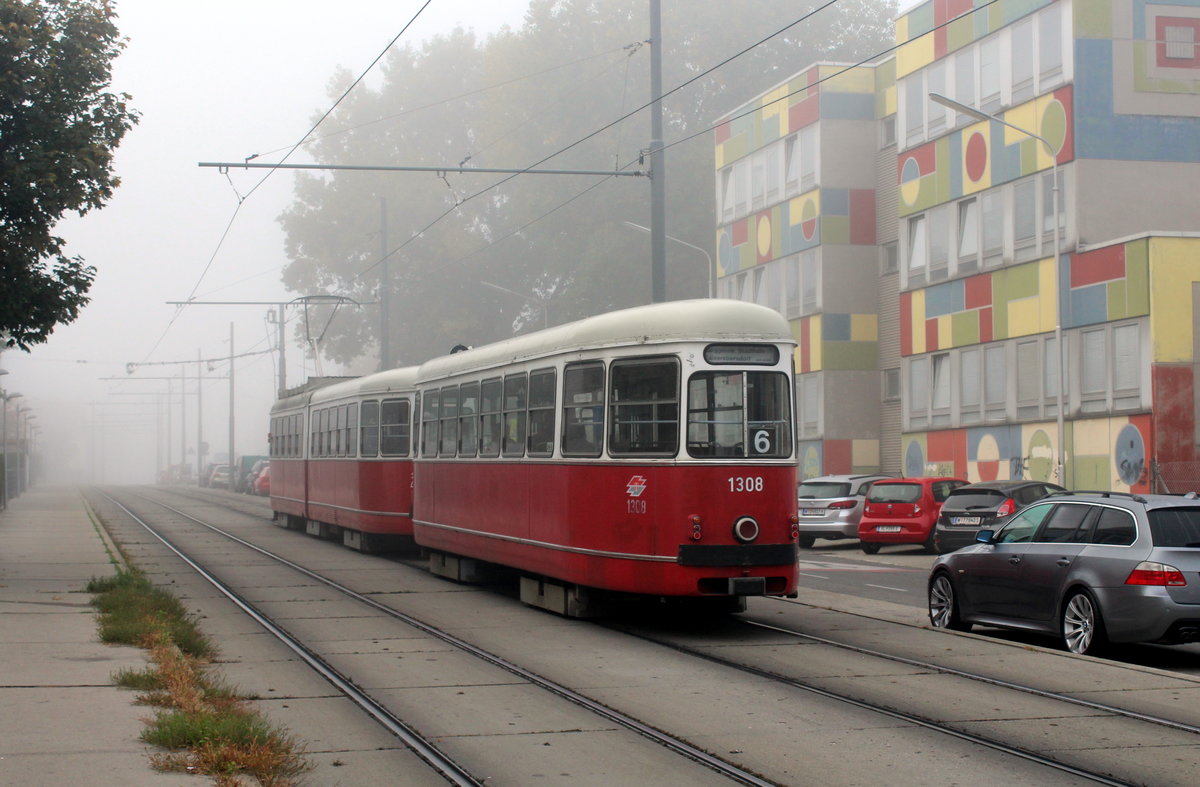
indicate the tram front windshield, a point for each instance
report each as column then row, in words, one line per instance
column 739, row 414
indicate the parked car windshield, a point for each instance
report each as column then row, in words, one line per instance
column 823, row 489
column 894, row 493
column 1175, row 527
column 980, row 498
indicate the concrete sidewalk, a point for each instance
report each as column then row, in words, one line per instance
column 61, row 719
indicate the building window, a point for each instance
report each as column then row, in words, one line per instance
column 1126, row 366
column 1029, row 378
column 1048, row 199
column 791, row 165
column 989, row 75
column 964, row 83
column 891, row 385
column 939, row 391
column 809, row 276
column 918, row 391
column 918, row 253
column 887, row 131
column 808, row 157
column 1050, row 47
column 968, row 233
column 936, row 83
column 1021, row 43
column 1093, row 373
column 1180, row 42
column 914, row 109
column 969, row 379
column 995, row 383
column 939, row 241
column 991, row 222
column 810, row 405
column 1025, row 220
column 890, row 257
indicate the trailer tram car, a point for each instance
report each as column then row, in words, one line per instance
column 341, row 459
column 644, row 452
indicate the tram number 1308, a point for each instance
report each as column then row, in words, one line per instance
column 746, row 483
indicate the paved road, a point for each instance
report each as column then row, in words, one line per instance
column 898, row 575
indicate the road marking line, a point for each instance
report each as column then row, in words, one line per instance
column 885, row 587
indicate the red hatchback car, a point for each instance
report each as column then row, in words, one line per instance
column 903, row 511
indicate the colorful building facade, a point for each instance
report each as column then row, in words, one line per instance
column 1058, row 240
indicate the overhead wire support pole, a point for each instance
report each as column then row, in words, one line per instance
column 606, row 173
column 658, row 163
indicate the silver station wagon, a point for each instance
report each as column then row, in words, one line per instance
column 1088, row 567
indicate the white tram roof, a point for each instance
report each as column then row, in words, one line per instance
column 702, row 320
column 389, row 381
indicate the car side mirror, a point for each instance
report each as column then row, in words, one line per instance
column 985, row 536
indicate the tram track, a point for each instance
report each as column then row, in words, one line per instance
column 426, row 750
column 1076, row 770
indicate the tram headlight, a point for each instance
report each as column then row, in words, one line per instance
column 745, row 529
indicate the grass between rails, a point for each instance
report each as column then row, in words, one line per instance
column 206, row 725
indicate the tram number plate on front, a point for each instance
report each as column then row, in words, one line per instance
column 964, row 520
column 812, row 512
column 887, row 528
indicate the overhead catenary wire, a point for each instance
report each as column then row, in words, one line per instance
column 307, row 134
column 458, row 204
column 709, row 129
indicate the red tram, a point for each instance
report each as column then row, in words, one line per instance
column 644, row 452
column 342, row 460
column 648, row 451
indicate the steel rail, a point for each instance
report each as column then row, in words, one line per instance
column 909, row 718
column 429, row 753
column 669, row 742
column 998, row 682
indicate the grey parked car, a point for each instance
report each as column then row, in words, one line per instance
column 1088, row 567
column 985, row 504
column 830, row 506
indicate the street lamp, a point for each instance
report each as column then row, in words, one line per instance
column 7, row 397
column 1058, row 337
column 540, row 303
column 711, row 267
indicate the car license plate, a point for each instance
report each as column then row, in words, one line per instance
column 812, row 512
column 887, row 528
column 965, row 520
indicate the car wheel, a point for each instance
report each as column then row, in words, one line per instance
column 1082, row 626
column 930, row 545
column 943, row 605
column 806, row 542
column 868, row 547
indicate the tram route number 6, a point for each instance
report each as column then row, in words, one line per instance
column 762, row 442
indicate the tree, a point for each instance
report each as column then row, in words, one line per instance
column 571, row 68
column 58, row 129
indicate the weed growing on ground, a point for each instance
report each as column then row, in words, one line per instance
column 207, row 725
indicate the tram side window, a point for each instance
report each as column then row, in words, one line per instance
column 323, row 449
column 369, row 428
column 394, row 427
column 583, row 409
column 490, row 419
column 297, row 435
column 541, row 412
column 351, row 430
column 516, row 396
column 449, row 419
column 314, row 435
column 743, row 414
column 429, row 424
column 336, row 448
column 644, row 405
column 468, row 420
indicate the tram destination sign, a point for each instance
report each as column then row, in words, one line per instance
column 752, row 354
